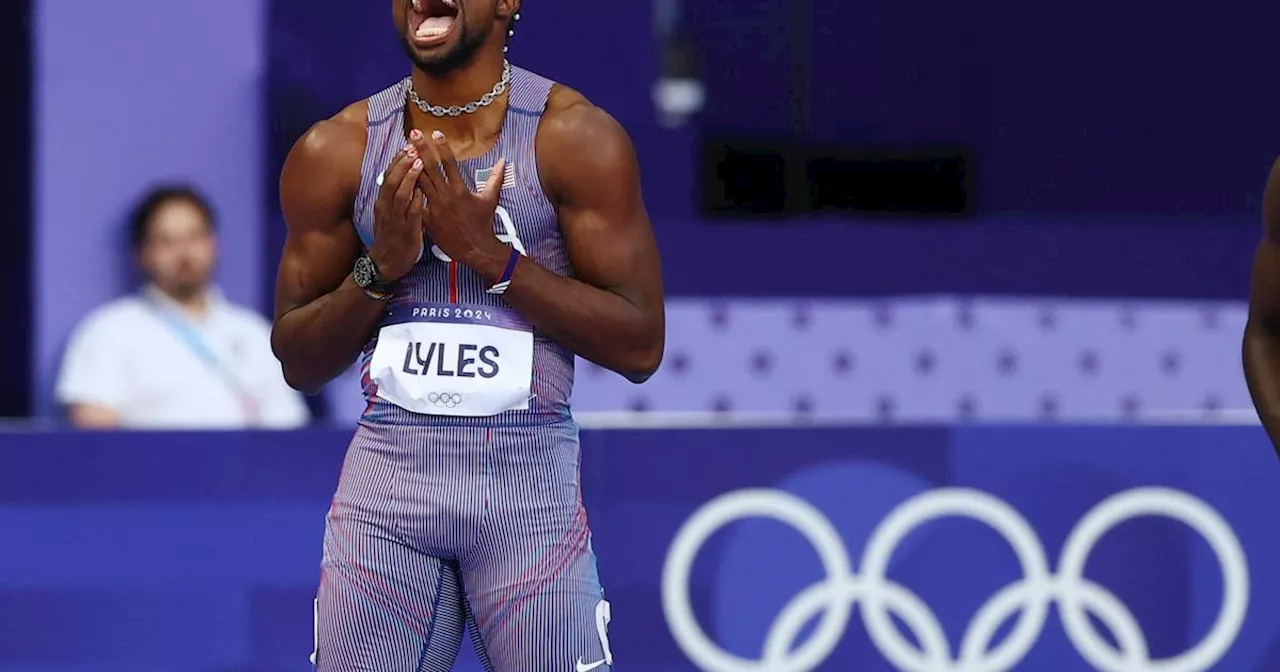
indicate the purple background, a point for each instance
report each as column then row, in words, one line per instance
column 940, row 360
column 1112, row 159
column 137, row 556
column 1088, row 107
column 1119, row 153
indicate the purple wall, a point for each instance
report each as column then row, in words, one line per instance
column 129, row 92
column 1088, row 107
column 1126, row 197
column 1059, row 130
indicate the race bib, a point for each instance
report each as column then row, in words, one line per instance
column 454, row 359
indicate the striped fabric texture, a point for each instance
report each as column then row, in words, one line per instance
column 445, row 523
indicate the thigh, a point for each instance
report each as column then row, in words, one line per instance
column 383, row 606
column 539, row 609
column 531, row 580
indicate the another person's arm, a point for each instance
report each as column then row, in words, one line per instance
column 91, row 383
column 323, row 318
column 93, row 416
column 611, row 311
column 1262, row 333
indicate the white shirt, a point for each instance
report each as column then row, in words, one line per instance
column 216, row 373
column 345, row 398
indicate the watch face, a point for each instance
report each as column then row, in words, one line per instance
column 363, row 272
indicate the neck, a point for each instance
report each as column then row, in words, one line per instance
column 195, row 305
column 459, row 87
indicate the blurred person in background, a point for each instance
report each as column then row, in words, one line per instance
column 177, row 354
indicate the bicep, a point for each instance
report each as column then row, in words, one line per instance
column 606, row 228
column 314, row 263
column 613, row 249
column 316, row 198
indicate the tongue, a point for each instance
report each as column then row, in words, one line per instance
column 436, row 25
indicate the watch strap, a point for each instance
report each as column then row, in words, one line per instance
column 377, row 295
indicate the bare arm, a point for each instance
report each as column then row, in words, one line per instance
column 322, row 319
column 1262, row 333
column 612, row 311
column 92, row 416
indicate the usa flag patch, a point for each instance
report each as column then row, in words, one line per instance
column 508, row 177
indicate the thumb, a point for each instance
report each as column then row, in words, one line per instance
column 493, row 186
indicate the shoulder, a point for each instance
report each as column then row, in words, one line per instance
column 578, row 140
column 573, row 123
column 334, row 145
column 111, row 321
column 321, row 175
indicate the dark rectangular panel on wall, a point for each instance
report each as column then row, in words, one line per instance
column 890, row 183
column 761, row 179
column 747, row 180
column 15, row 190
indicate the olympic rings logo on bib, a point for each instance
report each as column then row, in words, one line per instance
column 830, row 601
column 445, row 399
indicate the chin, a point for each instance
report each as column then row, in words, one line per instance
column 184, row 288
column 442, row 60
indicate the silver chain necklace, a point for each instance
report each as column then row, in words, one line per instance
column 469, row 108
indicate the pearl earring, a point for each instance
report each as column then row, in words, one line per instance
column 510, row 35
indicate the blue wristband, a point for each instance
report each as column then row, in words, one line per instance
column 504, row 281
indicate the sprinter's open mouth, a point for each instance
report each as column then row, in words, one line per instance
column 431, row 21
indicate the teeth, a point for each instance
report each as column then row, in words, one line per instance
column 418, row 6
column 451, row 3
column 434, row 26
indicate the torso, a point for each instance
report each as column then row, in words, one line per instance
column 168, row 384
column 525, row 219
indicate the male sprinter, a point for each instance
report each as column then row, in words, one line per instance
column 459, row 500
column 1262, row 333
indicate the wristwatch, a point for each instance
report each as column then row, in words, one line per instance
column 366, row 276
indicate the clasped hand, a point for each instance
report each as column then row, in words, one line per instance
column 458, row 221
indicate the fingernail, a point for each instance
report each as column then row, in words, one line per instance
column 417, row 165
column 415, row 135
column 437, row 135
column 413, row 152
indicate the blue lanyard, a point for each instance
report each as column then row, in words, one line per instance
column 200, row 348
column 192, row 339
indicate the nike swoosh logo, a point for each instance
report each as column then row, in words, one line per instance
column 584, row 667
